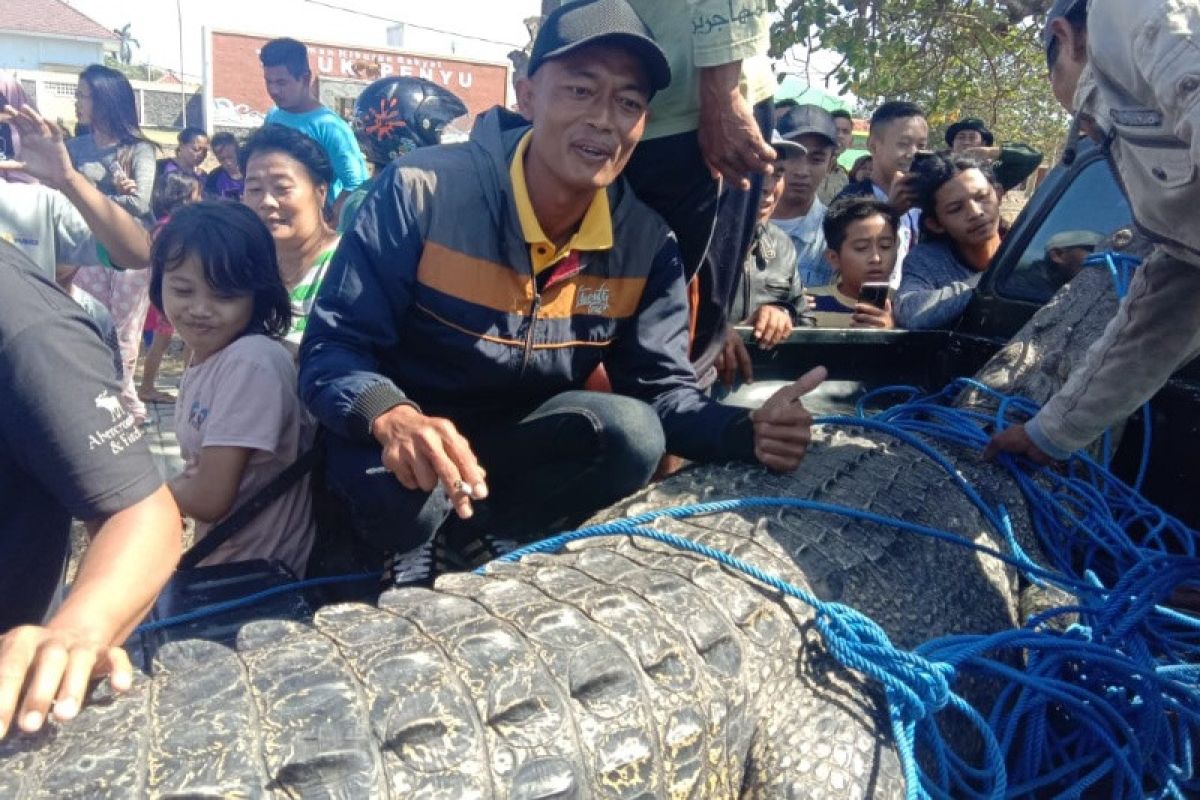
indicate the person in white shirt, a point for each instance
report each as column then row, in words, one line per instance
column 807, row 140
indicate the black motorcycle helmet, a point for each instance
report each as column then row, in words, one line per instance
column 396, row 115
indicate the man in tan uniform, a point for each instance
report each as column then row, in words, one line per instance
column 1130, row 70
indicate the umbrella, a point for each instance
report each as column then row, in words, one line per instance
column 848, row 158
column 793, row 88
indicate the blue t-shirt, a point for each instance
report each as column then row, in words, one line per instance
column 808, row 237
column 332, row 133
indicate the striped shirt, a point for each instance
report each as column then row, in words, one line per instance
column 304, row 294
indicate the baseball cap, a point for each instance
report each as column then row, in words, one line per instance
column 1079, row 238
column 786, row 148
column 804, row 120
column 1060, row 9
column 585, row 22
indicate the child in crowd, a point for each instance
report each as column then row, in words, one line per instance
column 172, row 191
column 769, row 295
column 239, row 420
column 861, row 233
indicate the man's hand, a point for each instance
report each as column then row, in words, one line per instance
column 868, row 316
column 772, row 324
column 783, row 426
column 730, row 138
column 1015, row 440
column 902, row 196
column 424, row 451
column 982, row 153
column 734, row 360
column 54, row 667
column 43, row 154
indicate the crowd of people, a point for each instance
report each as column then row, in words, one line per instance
column 486, row 341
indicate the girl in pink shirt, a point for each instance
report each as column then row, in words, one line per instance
column 238, row 418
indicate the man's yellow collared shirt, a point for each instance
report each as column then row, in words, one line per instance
column 595, row 231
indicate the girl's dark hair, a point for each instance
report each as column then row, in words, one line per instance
column 238, row 255
column 172, row 190
column 844, row 211
column 934, row 171
column 291, row 142
column 114, row 109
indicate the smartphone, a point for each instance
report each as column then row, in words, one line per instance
column 921, row 156
column 7, row 150
column 874, row 294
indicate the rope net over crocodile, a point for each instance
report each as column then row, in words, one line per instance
column 625, row 666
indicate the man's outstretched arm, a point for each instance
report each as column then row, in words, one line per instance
column 48, row 668
column 44, row 156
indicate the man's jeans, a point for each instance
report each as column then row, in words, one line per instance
column 575, row 454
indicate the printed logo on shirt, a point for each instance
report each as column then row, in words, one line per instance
column 121, row 432
column 197, row 415
column 594, row 300
column 108, row 403
column 24, row 241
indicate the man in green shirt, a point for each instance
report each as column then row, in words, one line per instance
column 838, row 177
column 1011, row 163
column 707, row 138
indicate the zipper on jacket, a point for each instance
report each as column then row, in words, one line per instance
column 533, row 312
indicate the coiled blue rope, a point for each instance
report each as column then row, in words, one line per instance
column 1110, row 703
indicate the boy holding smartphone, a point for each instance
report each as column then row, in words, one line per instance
column 861, row 234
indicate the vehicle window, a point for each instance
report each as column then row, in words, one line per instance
column 1092, row 203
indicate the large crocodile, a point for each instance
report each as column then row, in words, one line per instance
column 618, row 668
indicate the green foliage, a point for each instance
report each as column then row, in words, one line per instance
column 956, row 58
column 135, row 72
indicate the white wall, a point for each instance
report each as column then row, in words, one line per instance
column 27, row 52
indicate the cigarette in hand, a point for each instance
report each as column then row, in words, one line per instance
column 459, row 487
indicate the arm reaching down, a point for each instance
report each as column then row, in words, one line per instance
column 48, row 668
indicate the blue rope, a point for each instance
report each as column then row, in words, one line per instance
column 204, row 612
column 1109, row 701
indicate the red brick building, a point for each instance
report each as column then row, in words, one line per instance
column 236, row 97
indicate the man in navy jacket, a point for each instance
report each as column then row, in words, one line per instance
column 481, row 286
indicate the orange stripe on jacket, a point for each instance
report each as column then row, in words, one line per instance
column 476, row 280
column 495, row 286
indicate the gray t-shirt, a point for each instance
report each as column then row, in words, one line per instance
column 44, row 225
column 935, row 289
column 212, row 411
column 136, row 160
